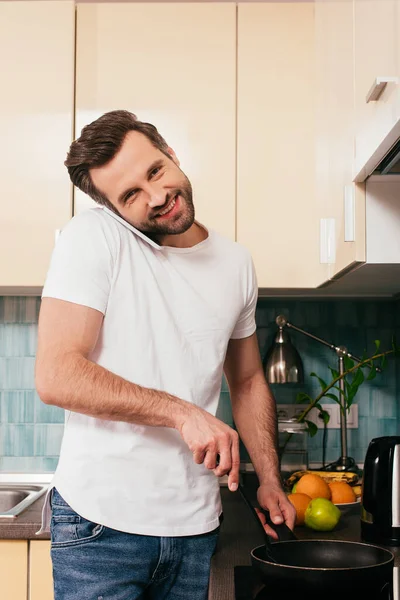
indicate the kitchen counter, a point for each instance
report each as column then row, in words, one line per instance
column 240, row 534
column 24, row 527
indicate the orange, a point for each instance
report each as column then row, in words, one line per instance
column 300, row 502
column 314, row 486
column 341, row 492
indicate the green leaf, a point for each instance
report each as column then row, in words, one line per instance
column 312, row 428
column 303, row 398
column 348, row 363
column 358, row 378
column 335, row 374
column 325, row 416
column 383, row 361
column 332, row 397
column 377, row 345
column 321, row 381
column 371, row 374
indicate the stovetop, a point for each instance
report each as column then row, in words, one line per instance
column 248, row 586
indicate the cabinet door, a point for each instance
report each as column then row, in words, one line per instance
column 40, row 571
column 13, row 569
column 334, row 26
column 375, row 42
column 277, row 209
column 172, row 65
column 36, row 104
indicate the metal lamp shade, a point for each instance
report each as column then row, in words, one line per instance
column 282, row 362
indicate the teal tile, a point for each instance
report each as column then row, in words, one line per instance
column 20, row 309
column 45, row 413
column 17, row 440
column 48, row 439
column 17, row 406
column 28, row 464
column 18, row 339
column 224, row 386
column 382, row 405
column 390, row 427
column 17, row 373
column 224, row 411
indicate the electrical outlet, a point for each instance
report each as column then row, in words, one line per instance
column 288, row 411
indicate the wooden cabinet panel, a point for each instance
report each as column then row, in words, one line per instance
column 40, row 571
column 13, row 569
column 172, row 65
column 277, row 208
column 36, row 116
column 334, row 26
column 376, row 38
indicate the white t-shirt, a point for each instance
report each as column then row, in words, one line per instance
column 169, row 314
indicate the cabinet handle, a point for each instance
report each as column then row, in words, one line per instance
column 378, row 86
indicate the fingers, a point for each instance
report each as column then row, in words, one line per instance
column 198, row 456
column 233, row 479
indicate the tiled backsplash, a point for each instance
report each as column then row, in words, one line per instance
column 351, row 323
column 31, row 432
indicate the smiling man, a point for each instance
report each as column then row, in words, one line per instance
column 142, row 310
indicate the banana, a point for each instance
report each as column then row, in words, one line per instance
column 328, row 476
column 357, row 490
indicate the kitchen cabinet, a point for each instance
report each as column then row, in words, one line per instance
column 173, row 65
column 13, row 569
column 278, row 211
column 40, row 584
column 341, row 200
column 376, row 40
column 36, row 116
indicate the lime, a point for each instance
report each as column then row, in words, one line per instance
column 294, row 487
column 321, row 515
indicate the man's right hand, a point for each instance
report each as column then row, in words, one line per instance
column 213, row 443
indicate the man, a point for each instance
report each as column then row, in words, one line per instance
column 143, row 308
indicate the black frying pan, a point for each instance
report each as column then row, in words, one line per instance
column 321, row 568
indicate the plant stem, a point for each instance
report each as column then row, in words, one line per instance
column 301, row 417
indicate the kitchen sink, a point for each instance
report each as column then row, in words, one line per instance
column 16, row 496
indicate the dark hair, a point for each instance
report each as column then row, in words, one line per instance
column 99, row 142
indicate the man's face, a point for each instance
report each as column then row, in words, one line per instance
column 147, row 188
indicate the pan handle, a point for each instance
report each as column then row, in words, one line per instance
column 283, row 532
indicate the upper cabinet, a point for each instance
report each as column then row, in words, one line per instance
column 376, row 61
column 36, row 116
column 173, row 65
column 342, row 202
column 278, row 211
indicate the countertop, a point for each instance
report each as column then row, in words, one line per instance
column 240, row 534
column 25, row 526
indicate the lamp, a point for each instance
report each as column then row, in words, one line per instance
column 283, row 365
column 282, row 362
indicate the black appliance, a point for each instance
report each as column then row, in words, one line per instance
column 380, row 501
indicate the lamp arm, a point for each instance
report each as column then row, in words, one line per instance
column 340, row 350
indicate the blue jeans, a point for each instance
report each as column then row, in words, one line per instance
column 94, row 562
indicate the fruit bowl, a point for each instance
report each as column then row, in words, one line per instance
column 347, row 507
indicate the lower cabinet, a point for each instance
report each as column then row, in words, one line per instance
column 40, row 571
column 25, row 571
column 13, row 569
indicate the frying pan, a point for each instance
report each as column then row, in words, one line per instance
column 321, row 568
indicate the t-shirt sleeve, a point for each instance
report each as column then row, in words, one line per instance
column 81, row 265
column 246, row 323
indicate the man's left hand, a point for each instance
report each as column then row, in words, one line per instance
column 271, row 497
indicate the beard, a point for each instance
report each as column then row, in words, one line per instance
column 179, row 222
